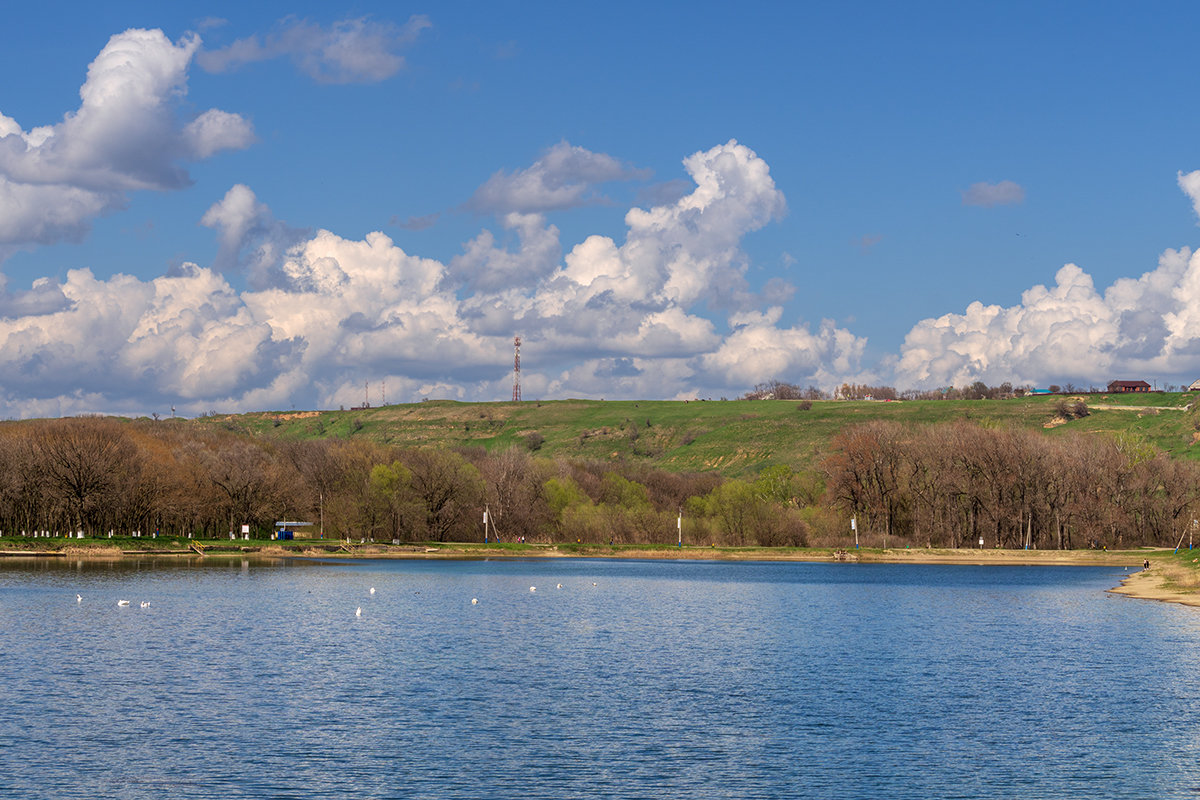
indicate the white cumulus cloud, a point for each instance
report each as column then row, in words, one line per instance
column 758, row 350
column 217, row 130
column 685, row 251
column 126, row 135
column 1068, row 332
column 606, row 320
column 1190, row 183
column 486, row 267
column 250, row 237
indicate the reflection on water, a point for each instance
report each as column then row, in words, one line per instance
column 254, row 678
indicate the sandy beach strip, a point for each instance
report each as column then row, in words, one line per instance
column 1156, row 584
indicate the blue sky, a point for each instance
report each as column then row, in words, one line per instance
column 267, row 205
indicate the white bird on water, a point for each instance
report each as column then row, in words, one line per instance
column 474, row 601
column 145, row 604
column 533, row 588
column 560, row 586
column 358, row 611
column 122, row 602
column 78, row 598
column 372, row 590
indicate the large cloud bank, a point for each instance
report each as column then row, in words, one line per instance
column 1071, row 332
column 1137, row 328
column 285, row 317
column 322, row 315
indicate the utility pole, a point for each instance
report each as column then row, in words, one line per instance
column 517, row 369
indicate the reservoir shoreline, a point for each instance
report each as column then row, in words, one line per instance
column 1164, row 582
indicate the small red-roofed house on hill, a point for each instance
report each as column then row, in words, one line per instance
column 1117, row 387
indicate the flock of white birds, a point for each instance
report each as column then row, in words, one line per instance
column 121, row 603
column 474, row 600
column 357, row 611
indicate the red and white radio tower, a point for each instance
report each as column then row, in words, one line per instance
column 517, row 369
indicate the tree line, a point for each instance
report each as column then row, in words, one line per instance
column 942, row 485
column 100, row 475
column 951, row 484
column 780, row 390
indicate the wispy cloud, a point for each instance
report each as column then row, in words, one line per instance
column 348, row 51
column 420, row 223
column 867, row 242
column 564, row 177
column 988, row 195
column 663, row 194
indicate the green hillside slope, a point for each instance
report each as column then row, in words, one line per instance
column 736, row 437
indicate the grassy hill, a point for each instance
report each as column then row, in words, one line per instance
column 737, row 437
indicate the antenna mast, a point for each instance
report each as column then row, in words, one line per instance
column 517, row 369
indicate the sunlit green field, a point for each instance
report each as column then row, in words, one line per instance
column 735, row 437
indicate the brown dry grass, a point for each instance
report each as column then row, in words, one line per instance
column 92, row 551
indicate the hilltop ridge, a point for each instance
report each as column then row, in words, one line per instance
column 733, row 437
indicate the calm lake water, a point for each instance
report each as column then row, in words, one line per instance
column 255, row 679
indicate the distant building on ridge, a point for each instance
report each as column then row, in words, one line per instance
column 1120, row 387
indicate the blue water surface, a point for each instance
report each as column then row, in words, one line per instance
column 635, row 679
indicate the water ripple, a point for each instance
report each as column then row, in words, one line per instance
column 249, row 679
